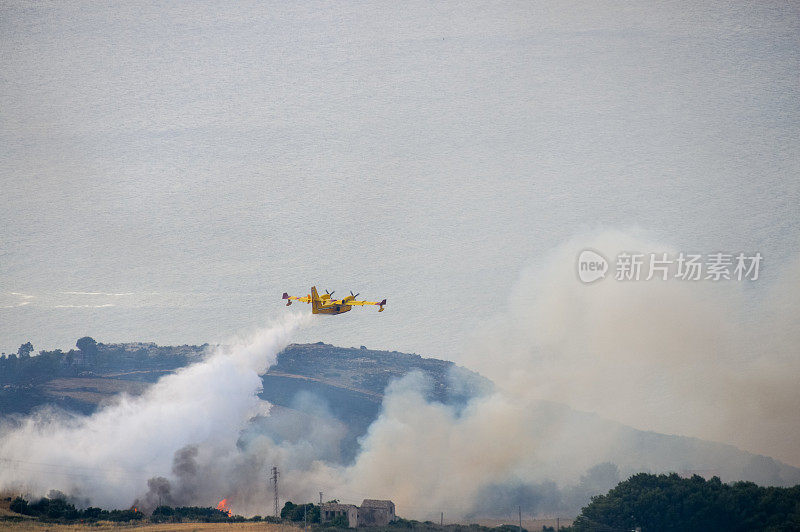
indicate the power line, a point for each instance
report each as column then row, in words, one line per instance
column 69, row 470
column 71, row 466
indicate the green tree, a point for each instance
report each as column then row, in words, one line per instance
column 19, row 505
column 669, row 502
column 25, row 350
column 87, row 345
column 298, row 512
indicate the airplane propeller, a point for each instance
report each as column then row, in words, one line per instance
column 330, row 293
column 355, row 296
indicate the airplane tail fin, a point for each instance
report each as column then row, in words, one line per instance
column 380, row 306
column 286, row 297
column 315, row 300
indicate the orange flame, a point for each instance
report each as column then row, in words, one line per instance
column 223, row 507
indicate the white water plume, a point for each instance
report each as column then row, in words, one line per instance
column 108, row 456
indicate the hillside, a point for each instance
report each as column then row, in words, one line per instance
column 80, row 382
column 345, row 386
column 347, row 382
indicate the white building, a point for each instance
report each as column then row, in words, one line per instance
column 372, row 512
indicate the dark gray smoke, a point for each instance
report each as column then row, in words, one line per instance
column 159, row 492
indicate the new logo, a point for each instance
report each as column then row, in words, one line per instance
column 591, row 266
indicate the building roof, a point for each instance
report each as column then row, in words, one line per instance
column 337, row 506
column 376, row 503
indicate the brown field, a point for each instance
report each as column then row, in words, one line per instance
column 93, row 390
column 528, row 524
column 29, row 525
column 35, row 526
column 19, row 523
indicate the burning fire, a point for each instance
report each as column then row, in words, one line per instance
column 223, row 507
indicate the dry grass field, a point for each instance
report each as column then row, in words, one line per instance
column 531, row 525
column 35, row 526
column 19, row 523
column 93, row 390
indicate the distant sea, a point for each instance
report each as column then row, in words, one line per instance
column 168, row 171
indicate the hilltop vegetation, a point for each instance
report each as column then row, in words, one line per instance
column 91, row 358
column 27, row 380
column 72, row 380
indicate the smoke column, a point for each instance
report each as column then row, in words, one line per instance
column 109, row 456
column 715, row 360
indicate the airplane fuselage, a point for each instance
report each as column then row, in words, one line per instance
column 330, row 309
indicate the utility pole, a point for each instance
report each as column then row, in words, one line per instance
column 305, row 512
column 557, row 525
column 520, row 517
column 441, row 520
column 274, row 479
column 320, row 498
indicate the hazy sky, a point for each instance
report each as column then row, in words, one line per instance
column 168, row 171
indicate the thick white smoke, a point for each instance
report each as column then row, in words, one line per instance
column 716, row 360
column 109, row 456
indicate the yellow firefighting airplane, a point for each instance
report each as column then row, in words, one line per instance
column 325, row 304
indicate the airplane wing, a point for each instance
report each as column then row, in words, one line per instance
column 289, row 299
column 362, row 303
column 347, row 302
